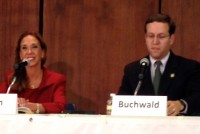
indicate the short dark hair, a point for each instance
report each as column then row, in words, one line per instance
column 161, row 18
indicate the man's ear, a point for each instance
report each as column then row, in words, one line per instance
column 172, row 39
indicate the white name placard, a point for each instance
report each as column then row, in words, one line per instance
column 139, row 105
column 8, row 104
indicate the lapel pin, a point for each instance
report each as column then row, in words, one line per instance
column 172, row 75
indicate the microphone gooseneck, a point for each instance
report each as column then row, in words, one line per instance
column 13, row 81
column 17, row 66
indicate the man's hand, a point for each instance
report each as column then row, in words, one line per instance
column 174, row 107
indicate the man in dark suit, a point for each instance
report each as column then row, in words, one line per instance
column 180, row 77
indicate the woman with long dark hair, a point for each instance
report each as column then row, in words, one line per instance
column 38, row 88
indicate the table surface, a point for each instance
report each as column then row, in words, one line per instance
column 96, row 124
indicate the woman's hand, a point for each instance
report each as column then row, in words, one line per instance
column 22, row 102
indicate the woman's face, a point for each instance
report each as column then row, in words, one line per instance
column 30, row 48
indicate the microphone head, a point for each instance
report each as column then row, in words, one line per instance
column 144, row 62
column 24, row 63
column 143, row 65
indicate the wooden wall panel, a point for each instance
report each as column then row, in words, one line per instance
column 90, row 42
column 186, row 15
column 16, row 16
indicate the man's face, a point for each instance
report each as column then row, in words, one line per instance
column 158, row 40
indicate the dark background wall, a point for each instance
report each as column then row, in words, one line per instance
column 90, row 41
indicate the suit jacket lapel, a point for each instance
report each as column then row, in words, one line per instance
column 168, row 74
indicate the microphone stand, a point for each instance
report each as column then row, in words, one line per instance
column 140, row 76
column 138, row 87
column 13, row 81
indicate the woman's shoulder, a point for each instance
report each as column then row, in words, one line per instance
column 53, row 74
column 9, row 74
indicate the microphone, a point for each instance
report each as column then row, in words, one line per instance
column 144, row 63
column 24, row 63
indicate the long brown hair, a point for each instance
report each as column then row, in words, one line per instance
column 20, row 74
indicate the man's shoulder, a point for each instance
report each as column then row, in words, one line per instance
column 133, row 63
column 185, row 60
column 136, row 63
column 133, row 66
column 184, row 63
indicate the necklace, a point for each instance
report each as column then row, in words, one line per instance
column 35, row 83
column 32, row 86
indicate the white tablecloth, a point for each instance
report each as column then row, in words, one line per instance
column 96, row 124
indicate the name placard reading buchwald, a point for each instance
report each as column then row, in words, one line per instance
column 8, row 104
column 139, row 105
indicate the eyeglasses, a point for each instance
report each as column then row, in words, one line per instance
column 159, row 36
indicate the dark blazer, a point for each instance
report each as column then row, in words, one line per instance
column 180, row 80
